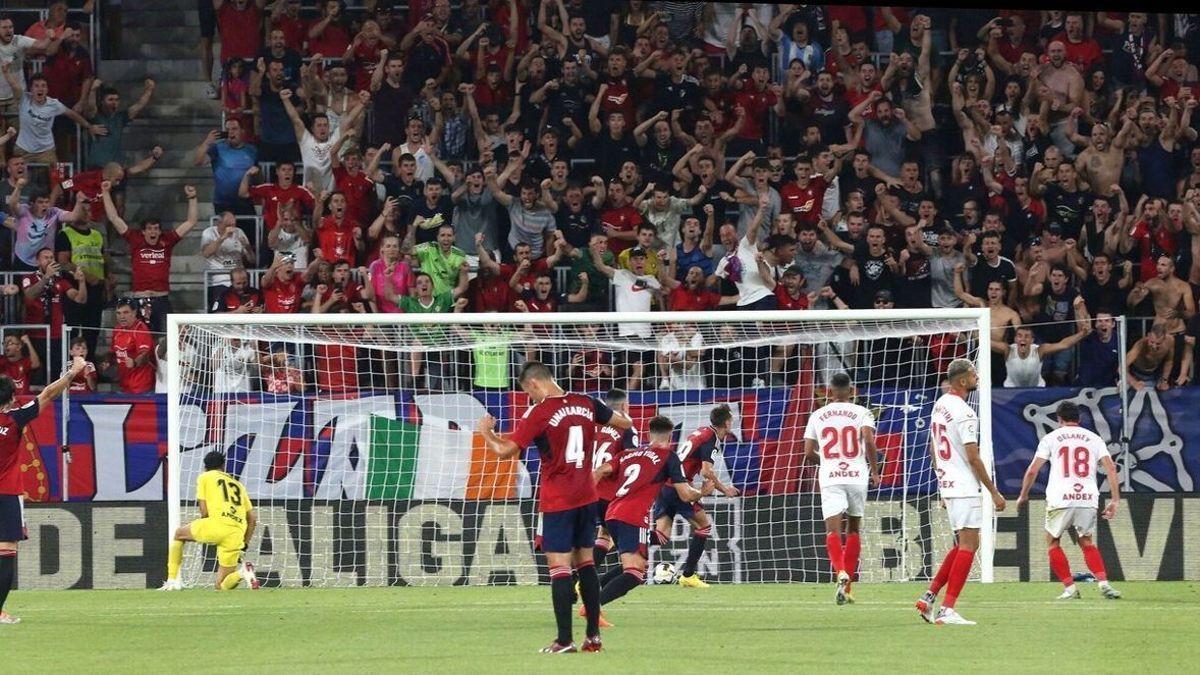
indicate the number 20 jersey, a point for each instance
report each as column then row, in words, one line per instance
column 835, row 427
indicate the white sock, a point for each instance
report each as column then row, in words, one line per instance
column 1070, row 589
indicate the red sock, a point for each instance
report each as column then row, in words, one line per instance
column 1095, row 563
column 943, row 573
column 833, row 544
column 958, row 576
column 853, row 548
column 1060, row 566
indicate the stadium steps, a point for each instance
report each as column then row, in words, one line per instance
column 158, row 39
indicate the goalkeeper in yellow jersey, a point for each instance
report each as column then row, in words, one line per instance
column 226, row 521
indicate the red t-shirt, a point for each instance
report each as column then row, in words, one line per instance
column 366, row 60
column 500, row 97
column 851, row 17
column 65, row 73
column 788, row 302
column 130, row 343
column 283, row 297
column 87, row 183
column 359, row 191
column 36, row 309
column 618, row 98
column 624, row 219
column 1083, row 54
column 804, row 203
column 641, row 472
column 352, row 291
column 12, row 423
column 610, row 443
column 19, row 372
column 295, row 32
column 564, row 429
column 756, row 103
column 490, row 294
column 241, row 31
column 525, row 281
column 332, row 42
column 1151, row 244
column 151, row 264
column 336, row 240
column 337, row 368
column 273, row 197
column 684, row 299
column 79, row 383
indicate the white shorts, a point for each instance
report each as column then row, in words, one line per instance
column 965, row 512
column 1083, row 519
column 847, row 499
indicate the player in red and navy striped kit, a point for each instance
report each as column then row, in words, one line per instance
column 13, row 421
column 563, row 426
column 640, row 474
column 696, row 452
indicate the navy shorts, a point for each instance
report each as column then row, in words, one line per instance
column 565, row 531
column 601, row 510
column 669, row 504
column 208, row 18
column 628, row 538
column 12, row 519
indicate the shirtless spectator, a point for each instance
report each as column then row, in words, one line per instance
column 1151, row 360
column 1174, row 303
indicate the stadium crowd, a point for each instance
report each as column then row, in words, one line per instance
column 562, row 155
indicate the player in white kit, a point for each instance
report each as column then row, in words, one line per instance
column 1073, row 496
column 844, row 434
column 954, row 442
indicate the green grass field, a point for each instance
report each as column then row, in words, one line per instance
column 751, row 628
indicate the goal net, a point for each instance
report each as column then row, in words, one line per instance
column 354, row 434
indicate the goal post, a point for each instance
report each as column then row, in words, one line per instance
column 354, row 434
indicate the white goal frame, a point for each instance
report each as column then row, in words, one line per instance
column 982, row 317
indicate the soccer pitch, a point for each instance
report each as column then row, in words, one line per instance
column 664, row 629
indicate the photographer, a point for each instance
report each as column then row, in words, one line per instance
column 44, row 291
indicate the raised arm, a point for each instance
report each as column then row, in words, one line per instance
column 110, row 209
column 139, row 105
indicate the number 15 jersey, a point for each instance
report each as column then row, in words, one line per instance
column 836, row 429
column 952, row 426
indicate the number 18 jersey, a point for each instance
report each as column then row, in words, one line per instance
column 836, row 429
column 952, row 426
column 1073, row 453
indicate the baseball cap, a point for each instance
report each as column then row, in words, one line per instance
column 794, row 269
column 884, row 295
column 637, row 252
column 1056, row 228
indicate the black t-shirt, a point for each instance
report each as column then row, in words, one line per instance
column 873, row 275
column 914, row 287
column 1109, row 296
column 658, row 161
column 983, row 274
column 569, row 101
column 831, row 117
column 721, row 208
column 421, row 208
column 849, row 182
column 672, row 95
column 610, row 154
column 406, row 194
column 1067, row 208
column 389, row 113
column 1057, row 308
column 910, row 202
column 577, row 227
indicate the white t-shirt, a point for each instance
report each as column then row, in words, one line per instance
column 290, row 242
column 836, row 428
column 228, row 256
column 684, row 374
column 424, row 163
column 633, row 294
column 14, row 53
column 1023, row 372
column 233, row 367
column 953, row 424
column 751, row 287
column 37, row 123
column 1073, row 453
column 317, row 158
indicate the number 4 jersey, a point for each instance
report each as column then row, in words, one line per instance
column 836, row 429
column 640, row 473
column 1073, row 453
column 564, row 429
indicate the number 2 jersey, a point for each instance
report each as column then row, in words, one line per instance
column 953, row 425
column 225, row 496
column 835, row 427
column 610, row 443
column 639, row 475
column 1073, row 453
column 564, row 430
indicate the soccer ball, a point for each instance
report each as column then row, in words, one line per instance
column 664, row 573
